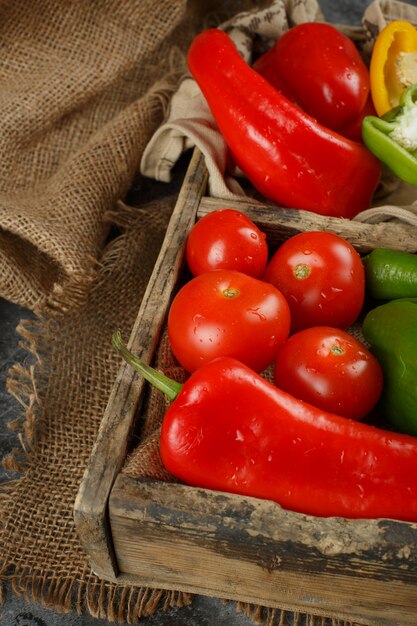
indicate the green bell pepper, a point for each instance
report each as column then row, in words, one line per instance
column 390, row 274
column 391, row 330
column 393, row 137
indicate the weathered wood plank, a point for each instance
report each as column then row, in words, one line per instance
column 279, row 223
column 177, row 537
column 109, row 451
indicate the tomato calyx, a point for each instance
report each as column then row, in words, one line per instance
column 231, row 292
column 337, row 350
column 302, row 271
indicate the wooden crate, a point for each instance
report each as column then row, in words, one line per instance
column 172, row 536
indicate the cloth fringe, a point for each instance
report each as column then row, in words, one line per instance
column 100, row 599
column 22, row 386
column 266, row 616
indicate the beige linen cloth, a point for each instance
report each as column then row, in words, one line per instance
column 85, row 91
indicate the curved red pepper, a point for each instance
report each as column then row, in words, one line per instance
column 288, row 156
column 229, row 429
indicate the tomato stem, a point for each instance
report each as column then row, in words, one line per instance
column 169, row 387
column 231, row 292
column 302, row 271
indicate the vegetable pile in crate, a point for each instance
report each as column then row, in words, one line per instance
column 273, row 463
column 227, row 428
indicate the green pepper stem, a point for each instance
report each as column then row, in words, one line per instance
column 379, row 123
column 408, row 96
column 169, row 387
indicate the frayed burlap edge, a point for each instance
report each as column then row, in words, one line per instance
column 267, row 616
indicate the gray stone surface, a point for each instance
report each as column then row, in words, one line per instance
column 10, row 352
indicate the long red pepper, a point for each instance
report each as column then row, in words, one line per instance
column 287, row 155
column 231, row 430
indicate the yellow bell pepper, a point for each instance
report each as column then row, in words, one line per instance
column 393, row 64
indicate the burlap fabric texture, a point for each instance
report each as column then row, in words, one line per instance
column 84, row 87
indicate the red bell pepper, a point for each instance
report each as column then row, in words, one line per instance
column 286, row 154
column 231, row 430
column 321, row 69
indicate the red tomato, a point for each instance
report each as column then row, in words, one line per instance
column 331, row 370
column 226, row 239
column 227, row 313
column 322, row 277
column 353, row 130
column 321, row 69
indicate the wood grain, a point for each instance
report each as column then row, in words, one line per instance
column 178, row 537
column 280, row 223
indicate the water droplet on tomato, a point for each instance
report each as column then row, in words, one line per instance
column 258, row 313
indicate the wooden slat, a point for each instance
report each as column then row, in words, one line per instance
column 176, row 537
column 279, row 223
column 109, row 451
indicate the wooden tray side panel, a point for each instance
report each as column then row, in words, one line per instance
column 207, row 542
column 279, row 224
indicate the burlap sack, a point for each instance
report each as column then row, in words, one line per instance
column 84, row 86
